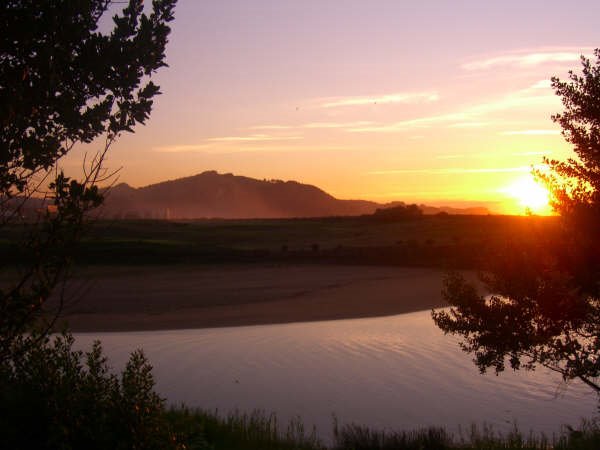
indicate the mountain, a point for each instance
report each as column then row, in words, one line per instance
column 212, row 195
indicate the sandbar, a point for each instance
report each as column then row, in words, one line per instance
column 174, row 297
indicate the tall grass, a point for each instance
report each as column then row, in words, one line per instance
column 357, row 437
column 202, row 430
column 486, row 438
column 586, row 437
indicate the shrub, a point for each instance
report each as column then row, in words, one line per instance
column 55, row 397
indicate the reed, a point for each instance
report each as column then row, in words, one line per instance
column 206, row 430
column 257, row 430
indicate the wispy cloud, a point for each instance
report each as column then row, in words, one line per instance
column 182, row 148
column 490, row 155
column 527, row 58
column 451, row 171
column 399, row 97
column 223, row 148
column 530, row 132
column 438, row 197
column 469, row 124
column 470, row 116
column 314, row 125
column 546, row 152
column 336, row 124
column 421, row 122
column 226, row 144
column 253, row 138
column 542, row 84
column 520, row 99
column 271, row 127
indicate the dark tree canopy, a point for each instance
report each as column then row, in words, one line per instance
column 64, row 81
column 397, row 213
column 575, row 183
column 544, row 307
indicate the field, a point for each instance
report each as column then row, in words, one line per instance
column 135, row 275
column 442, row 241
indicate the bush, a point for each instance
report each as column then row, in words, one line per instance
column 204, row 430
column 54, row 397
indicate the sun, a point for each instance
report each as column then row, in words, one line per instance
column 530, row 194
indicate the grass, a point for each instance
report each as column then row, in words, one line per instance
column 357, row 437
column 255, row 431
column 453, row 242
column 202, row 430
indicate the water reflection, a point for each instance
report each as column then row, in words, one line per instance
column 390, row 372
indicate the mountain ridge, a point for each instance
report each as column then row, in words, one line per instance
column 213, row 195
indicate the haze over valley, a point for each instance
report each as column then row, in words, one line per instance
column 228, row 196
column 307, row 225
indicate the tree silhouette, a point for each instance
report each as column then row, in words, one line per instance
column 63, row 82
column 544, row 307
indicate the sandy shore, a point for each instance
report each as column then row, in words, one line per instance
column 151, row 298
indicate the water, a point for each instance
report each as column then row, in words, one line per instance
column 397, row 372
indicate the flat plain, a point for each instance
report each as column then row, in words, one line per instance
column 148, row 274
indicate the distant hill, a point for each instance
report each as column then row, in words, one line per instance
column 431, row 210
column 473, row 211
column 214, row 195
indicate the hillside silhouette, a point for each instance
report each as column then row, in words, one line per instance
column 213, row 195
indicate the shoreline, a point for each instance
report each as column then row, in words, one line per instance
column 138, row 326
column 167, row 297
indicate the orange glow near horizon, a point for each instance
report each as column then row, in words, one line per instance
column 530, row 195
column 252, row 90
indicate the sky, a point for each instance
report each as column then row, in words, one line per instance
column 437, row 102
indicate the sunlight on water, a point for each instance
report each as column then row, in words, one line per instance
column 392, row 372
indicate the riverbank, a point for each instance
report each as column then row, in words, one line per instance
column 166, row 297
column 258, row 430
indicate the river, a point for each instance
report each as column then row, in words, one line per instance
column 397, row 372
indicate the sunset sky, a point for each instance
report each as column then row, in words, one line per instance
column 440, row 102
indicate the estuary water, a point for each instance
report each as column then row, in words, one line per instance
column 396, row 372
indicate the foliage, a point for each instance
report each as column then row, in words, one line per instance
column 255, row 431
column 545, row 302
column 397, row 213
column 456, row 241
column 63, row 82
column 205, row 430
column 56, row 397
column 575, row 183
column 358, row 437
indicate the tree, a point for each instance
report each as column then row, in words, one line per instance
column 63, row 82
column 399, row 212
column 545, row 303
column 61, row 398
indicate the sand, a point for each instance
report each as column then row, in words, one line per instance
column 174, row 297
